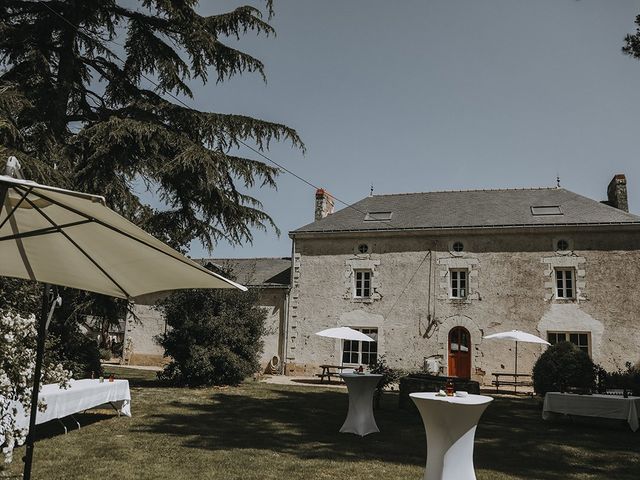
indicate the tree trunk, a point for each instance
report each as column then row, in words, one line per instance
column 64, row 81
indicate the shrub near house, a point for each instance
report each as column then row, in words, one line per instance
column 215, row 336
column 563, row 366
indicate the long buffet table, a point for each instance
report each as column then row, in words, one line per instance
column 604, row 406
column 80, row 396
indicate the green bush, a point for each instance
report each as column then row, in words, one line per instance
column 105, row 354
column 628, row 379
column 563, row 366
column 214, row 336
column 78, row 353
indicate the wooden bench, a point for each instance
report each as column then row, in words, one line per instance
column 331, row 370
column 512, row 379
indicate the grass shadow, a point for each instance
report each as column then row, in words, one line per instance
column 511, row 438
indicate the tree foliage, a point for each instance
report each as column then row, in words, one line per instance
column 88, row 101
column 632, row 42
column 214, row 336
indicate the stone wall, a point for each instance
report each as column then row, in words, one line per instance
column 146, row 351
column 140, row 333
column 511, row 286
column 274, row 301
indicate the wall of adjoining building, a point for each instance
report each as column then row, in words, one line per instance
column 274, row 301
column 142, row 333
column 511, row 286
column 140, row 336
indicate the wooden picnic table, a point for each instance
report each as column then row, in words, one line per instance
column 331, row 370
column 515, row 380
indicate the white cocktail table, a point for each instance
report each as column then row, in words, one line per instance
column 361, row 387
column 450, row 424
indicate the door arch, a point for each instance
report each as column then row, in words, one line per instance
column 459, row 353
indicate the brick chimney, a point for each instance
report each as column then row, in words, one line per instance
column 617, row 192
column 324, row 204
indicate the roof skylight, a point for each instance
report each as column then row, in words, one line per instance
column 377, row 216
column 542, row 210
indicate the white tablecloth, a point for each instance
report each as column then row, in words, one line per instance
column 80, row 396
column 604, row 406
column 450, row 424
column 361, row 387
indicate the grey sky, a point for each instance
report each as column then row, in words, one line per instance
column 439, row 95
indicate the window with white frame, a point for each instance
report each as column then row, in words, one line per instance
column 579, row 339
column 458, row 282
column 361, row 353
column 362, row 284
column 565, row 285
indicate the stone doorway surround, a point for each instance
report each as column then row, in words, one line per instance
column 477, row 363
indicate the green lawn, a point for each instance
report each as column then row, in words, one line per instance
column 259, row 431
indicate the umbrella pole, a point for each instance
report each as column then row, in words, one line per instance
column 515, row 378
column 42, row 333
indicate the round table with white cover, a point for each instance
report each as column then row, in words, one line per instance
column 450, row 424
column 361, row 387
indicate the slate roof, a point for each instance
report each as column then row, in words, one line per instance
column 471, row 209
column 254, row 272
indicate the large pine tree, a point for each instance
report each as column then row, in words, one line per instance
column 79, row 108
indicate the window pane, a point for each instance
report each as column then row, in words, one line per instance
column 573, row 338
column 559, row 275
column 583, row 339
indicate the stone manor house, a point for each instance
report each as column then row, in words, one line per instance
column 429, row 274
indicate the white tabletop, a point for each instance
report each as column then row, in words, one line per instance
column 468, row 399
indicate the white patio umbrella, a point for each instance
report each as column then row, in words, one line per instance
column 73, row 239
column 517, row 336
column 345, row 333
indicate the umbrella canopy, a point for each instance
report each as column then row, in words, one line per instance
column 73, row 239
column 345, row 333
column 516, row 336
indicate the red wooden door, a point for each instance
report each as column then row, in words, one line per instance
column 459, row 353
